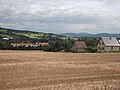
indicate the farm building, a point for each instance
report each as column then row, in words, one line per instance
column 5, row 38
column 108, row 44
column 26, row 44
column 79, row 46
column 22, row 44
column 42, row 43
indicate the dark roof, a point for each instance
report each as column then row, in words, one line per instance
column 110, row 41
column 80, row 44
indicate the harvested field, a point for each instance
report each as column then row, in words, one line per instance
column 36, row 70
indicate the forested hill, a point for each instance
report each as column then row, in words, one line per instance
column 22, row 34
column 90, row 35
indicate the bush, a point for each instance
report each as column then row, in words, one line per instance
column 91, row 50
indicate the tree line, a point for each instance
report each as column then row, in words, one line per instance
column 55, row 45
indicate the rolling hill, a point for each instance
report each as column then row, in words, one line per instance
column 90, row 35
column 22, row 34
column 25, row 34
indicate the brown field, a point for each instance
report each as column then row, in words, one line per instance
column 36, row 70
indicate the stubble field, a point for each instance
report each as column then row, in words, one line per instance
column 36, row 70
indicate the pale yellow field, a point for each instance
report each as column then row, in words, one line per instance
column 36, row 70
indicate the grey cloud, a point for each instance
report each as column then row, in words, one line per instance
column 70, row 16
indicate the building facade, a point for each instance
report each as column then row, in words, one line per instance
column 108, row 44
column 27, row 44
column 79, row 46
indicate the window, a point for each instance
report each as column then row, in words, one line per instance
column 99, row 43
column 99, row 47
column 112, row 48
column 102, row 43
column 103, row 48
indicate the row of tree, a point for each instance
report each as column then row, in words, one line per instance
column 55, row 45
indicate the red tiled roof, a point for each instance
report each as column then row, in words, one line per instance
column 80, row 44
column 43, row 43
column 22, row 44
column 28, row 44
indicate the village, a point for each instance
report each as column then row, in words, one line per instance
column 59, row 44
column 104, row 44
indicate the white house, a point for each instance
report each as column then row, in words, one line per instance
column 5, row 38
column 108, row 44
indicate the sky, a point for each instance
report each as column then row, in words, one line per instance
column 61, row 16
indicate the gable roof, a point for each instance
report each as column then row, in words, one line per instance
column 80, row 44
column 42, row 43
column 110, row 41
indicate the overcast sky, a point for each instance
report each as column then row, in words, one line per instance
column 60, row 16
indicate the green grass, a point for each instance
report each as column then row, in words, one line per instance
column 64, row 38
column 74, row 38
column 3, row 35
column 4, row 31
column 30, row 35
column 33, row 35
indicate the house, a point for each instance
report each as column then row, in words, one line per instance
column 79, row 46
column 42, row 43
column 108, row 44
column 17, row 44
column 26, row 44
column 5, row 38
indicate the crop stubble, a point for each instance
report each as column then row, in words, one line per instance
column 36, row 70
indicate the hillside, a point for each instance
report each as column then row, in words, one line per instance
column 25, row 34
column 91, row 35
column 20, row 34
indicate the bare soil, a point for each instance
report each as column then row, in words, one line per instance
column 36, row 70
